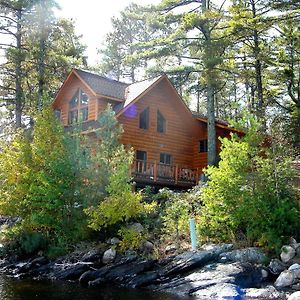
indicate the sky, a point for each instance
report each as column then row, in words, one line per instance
column 93, row 19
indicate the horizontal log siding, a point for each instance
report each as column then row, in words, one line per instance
column 177, row 140
column 66, row 95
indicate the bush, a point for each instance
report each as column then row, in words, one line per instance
column 249, row 196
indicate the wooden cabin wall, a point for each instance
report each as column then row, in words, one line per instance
column 178, row 138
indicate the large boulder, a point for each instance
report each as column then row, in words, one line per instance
column 286, row 278
column 294, row 296
column 251, row 255
column 92, row 256
column 109, row 256
column 276, row 266
column 287, row 253
column 295, row 268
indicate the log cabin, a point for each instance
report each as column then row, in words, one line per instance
column 169, row 140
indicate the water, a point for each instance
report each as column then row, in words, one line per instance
column 13, row 289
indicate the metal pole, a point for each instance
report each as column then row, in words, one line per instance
column 193, row 234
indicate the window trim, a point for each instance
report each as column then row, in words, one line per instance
column 78, row 108
column 163, row 119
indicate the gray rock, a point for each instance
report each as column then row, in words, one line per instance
column 251, row 255
column 138, row 227
column 109, row 256
column 295, row 268
column 147, row 247
column 287, row 253
column 114, row 241
column 286, row 278
column 276, row 266
column 170, row 249
column 294, row 296
column 215, row 281
column 92, row 255
column 268, row 292
column 71, row 273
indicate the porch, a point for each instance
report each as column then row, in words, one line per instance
column 146, row 172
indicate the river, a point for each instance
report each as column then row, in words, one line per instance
column 13, row 289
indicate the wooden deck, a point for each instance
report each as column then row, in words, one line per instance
column 154, row 173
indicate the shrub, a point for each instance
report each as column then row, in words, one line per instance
column 250, row 195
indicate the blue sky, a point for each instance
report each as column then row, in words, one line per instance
column 92, row 19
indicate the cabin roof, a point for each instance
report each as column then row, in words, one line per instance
column 102, row 85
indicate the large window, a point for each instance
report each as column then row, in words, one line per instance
column 165, row 158
column 161, row 122
column 141, row 162
column 78, row 108
column 144, row 119
column 141, row 155
column 202, row 146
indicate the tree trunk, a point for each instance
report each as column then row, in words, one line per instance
column 18, row 71
column 211, row 127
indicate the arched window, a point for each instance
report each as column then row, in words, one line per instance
column 78, row 107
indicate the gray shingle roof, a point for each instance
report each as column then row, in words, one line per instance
column 102, row 85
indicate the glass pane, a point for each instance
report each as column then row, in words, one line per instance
column 144, row 119
column 203, row 146
column 84, row 99
column 73, row 116
column 74, row 101
column 141, row 155
column 84, row 114
column 161, row 122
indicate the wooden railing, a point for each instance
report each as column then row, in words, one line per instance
column 153, row 171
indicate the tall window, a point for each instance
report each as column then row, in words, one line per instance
column 141, row 155
column 203, row 146
column 165, row 158
column 78, row 108
column 161, row 122
column 144, row 119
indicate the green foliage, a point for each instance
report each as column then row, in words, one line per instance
column 40, row 182
column 250, row 195
column 176, row 210
column 117, row 202
column 131, row 239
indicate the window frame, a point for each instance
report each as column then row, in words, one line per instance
column 160, row 118
column 78, row 108
column 144, row 123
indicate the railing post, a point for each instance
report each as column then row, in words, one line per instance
column 197, row 176
column 176, row 174
column 155, row 171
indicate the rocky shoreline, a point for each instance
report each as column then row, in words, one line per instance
column 213, row 272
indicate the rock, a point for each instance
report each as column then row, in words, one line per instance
column 207, row 281
column 72, row 273
column 147, row 247
column 109, row 256
column 286, row 278
column 268, row 292
column 220, row 292
column 276, row 266
column 295, row 268
column 251, row 255
column 170, row 249
column 39, row 261
column 138, row 227
column 287, row 253
column 294, row 296
column 92, row 255
column 114, row 241
column 144, row 279
column 191, row 260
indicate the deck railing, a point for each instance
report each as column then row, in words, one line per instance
column 153, row 171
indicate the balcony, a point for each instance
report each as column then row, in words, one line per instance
column 154, row 173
